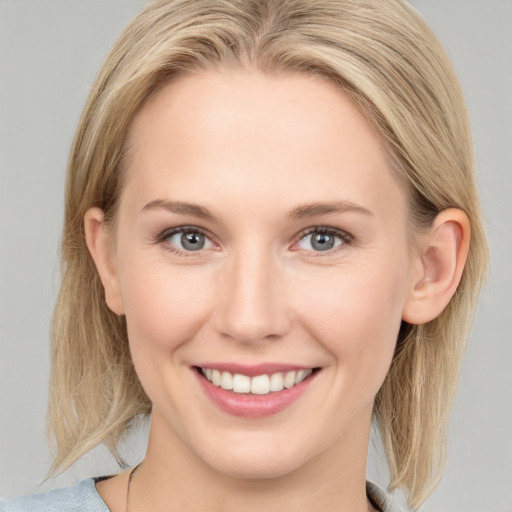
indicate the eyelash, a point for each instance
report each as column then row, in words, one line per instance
column 345, row 238
column 168, row 233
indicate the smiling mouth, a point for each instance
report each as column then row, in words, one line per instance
column 257, row 385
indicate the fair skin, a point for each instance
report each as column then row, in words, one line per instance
column 300, row 256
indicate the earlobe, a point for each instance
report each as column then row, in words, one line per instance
column 99, row 244
column 442, row 257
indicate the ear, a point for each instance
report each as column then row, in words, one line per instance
column 98, row 241
column 442, row 256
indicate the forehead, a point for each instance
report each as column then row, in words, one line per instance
column 288, row 138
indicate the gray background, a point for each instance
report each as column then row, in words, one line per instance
column 49, row 53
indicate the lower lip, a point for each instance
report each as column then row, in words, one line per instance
column 252, row 405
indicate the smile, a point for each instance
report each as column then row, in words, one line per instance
column 258, row 384
column 254, row 391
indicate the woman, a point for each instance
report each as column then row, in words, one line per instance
column 269, row 209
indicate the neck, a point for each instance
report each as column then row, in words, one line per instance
column 172, row 477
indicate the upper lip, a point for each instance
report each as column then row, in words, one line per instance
column 251, row 370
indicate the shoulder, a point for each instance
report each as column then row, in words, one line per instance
column 380, row 498
column 80, row 498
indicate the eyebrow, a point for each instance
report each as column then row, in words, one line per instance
column 310, row 210
column 303, row 211
column 179, row 207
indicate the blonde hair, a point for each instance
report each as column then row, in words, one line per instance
column 385, row 57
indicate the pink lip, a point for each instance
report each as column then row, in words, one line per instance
column 250, row 405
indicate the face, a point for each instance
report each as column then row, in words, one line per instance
column 261, row 244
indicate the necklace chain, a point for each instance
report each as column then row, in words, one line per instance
column 129, row 483
column 370, row 504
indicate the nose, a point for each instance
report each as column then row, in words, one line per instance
column 251, row 304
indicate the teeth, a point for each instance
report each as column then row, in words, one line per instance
column 289, row 380
column 276, row 382
column 216, row 377
column 241, row 383
column 226, row 381
column 301, row 375
column 258, row 385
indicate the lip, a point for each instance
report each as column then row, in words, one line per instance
column 250, row 405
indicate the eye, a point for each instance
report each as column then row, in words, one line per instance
column 323, row 239
column 186, row 239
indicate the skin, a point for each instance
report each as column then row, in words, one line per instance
column 252, row 149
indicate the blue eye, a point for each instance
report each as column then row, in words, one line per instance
column 322, row 240
column 187, row 239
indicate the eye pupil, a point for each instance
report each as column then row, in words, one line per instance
column 192, row 241
column 322, row 241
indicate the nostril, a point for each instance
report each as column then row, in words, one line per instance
column 247, row 325
column 251, row 303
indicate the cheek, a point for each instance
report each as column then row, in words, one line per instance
column 164, row 305
column 356, row 315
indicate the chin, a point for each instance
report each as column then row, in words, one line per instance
column 256, row 461
column 255, row 470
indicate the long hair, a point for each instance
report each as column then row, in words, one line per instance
column 384, row 56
